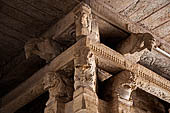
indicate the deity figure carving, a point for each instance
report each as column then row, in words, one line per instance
column 135, row 45
column 45, row 48
column 85, row 70
column 83, row 20
column 59, row 86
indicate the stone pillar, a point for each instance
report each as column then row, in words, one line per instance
column 85, row 99
column 60, row 92
column 120, row 88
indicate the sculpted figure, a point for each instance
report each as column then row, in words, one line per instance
column 43, row 47
column 135, row 45
column 85, row 70
column 60, row 87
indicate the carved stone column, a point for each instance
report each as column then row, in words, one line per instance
column 60, row 91
column 85, row 98
column 120, row 89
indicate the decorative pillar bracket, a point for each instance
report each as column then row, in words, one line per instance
column 60, row 91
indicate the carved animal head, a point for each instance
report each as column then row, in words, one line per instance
column 50, row 80
column 149, row 41
column 45, row 48
column 136, row 43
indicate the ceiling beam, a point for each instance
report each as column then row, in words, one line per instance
column 104, row 11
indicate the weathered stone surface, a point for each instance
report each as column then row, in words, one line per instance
column 142, row 8
column 163, row 30
column 157, row 19
column 45, row 48
column 156, row 62
column 59, row 86
column 144, row 102
column 85, row 101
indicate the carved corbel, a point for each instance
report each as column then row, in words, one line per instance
column 125, row 83
column 60, row 87
column 83, row 20
column 118, row 91
column 135, row 45
column 85, row 69
column 45, row 48
column 86, row 25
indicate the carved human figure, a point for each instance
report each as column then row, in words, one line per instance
column 85, row 70
column 83, row 20
column 60, row 87
column 43, row 47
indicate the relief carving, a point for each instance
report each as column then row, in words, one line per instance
column 83, row 20
column 45, row 48
column 59, row 86
column 85, row 69
column 135, row 45
column 156, row 63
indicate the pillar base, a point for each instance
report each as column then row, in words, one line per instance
column 55, row 107
column 85, row 101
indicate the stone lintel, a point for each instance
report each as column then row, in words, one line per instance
column 112, row 61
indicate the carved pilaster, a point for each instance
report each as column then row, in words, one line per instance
column 60, row 91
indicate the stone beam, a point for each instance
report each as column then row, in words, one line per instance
column 33, row 86
column 147, row 80
column 104, row 11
